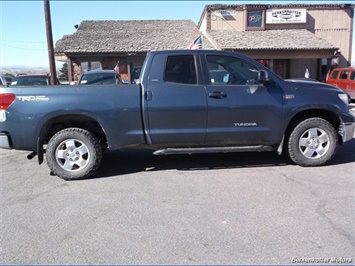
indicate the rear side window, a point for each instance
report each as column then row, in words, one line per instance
column 181, row 69
column 344, row 74
column 352, row 76
column 334, row 74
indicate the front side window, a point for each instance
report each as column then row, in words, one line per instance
column 226, row 70
column 352, row 76
column 344, row 74
column 181, row 69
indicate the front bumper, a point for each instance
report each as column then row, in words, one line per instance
column 5, row 142
column 347, row 131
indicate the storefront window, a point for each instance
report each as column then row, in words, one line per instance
column 90, row 65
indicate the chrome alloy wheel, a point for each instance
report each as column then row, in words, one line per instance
column 72, row 155
column 314, row 143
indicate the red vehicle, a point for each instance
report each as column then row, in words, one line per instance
column 343, row 78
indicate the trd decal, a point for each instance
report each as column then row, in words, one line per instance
column 32, row 98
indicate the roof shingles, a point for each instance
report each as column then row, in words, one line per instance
column 130, row 36
column 291, row 39
column 112, row 36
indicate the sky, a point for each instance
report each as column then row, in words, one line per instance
column 23, row 39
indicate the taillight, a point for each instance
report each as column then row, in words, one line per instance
column 6, row 99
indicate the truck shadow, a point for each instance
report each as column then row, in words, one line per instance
column 133, row 161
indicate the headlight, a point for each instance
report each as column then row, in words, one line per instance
column 344, row 97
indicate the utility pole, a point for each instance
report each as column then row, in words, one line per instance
column 52, row 67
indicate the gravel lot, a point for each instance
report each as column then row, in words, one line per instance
column 244, row 208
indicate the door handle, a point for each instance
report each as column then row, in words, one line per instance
column 148, row 95
column 217, row 95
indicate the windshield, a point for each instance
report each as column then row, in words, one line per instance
column 99, row 79
column 30, row 81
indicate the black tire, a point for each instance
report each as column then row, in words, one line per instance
column 73, row 154
column 312, row 142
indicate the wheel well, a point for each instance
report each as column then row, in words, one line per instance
column 67, row 121
column 329, row 116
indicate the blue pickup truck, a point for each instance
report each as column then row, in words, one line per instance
column 187, row 101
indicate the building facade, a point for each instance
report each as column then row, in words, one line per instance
column 289, row 39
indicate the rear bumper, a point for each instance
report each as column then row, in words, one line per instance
column 5, row 142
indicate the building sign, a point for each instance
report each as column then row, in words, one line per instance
column 285, row 16
column 224, row 13
column 255, row 19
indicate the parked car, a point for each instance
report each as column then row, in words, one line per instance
column 5, row 81
column 343, row 78
column 32, row 80
column 100, row 77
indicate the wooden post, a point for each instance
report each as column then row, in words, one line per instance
column 52, row 67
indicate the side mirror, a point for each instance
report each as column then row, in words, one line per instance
column 263, row 77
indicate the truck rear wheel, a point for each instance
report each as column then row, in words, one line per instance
column 312, row 142
column 73, row 153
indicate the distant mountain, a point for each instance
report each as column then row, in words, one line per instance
column 20, row 69
column 15, row 66
column 23, row 66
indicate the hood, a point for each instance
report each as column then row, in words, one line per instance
column 315, row 84
column 312, row 83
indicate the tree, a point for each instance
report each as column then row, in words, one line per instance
column 64, row 73
column 9, row 75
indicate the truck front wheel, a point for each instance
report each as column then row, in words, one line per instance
column 312, row 142
column 73, row 153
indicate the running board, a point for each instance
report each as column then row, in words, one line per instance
column 213, row 150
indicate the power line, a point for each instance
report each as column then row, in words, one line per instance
column 18, row 41
column 21, row 48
